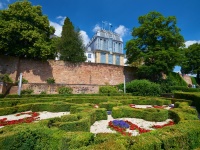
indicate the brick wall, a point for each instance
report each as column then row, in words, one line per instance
column 65, row 72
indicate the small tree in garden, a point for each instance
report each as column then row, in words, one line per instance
column 143, row 88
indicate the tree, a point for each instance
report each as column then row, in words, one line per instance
column 191, row 63
column 155, row 45
column 25, row 32
column 71, row 45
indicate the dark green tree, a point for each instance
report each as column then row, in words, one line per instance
column 155, row 47
column 191, row 63
column 25, row 32
column 71, row 45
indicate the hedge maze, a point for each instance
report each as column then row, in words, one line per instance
column 72, row 131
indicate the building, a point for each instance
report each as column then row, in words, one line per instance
column 105, row 47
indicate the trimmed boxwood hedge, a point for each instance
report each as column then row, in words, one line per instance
column 51, row 133
column 194, row 97
column 150, row 114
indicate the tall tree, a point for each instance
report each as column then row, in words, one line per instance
column 25, row 32
column 155, row 45
column 191, row 63
column 71, row 45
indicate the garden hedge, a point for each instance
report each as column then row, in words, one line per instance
column 184, row 89
column 194, row 97
column 56, row 133
column 150, row 114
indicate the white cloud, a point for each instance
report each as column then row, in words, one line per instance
column 57, row 27
column 96, row 28
column 62, row 19
column 85, row 37
column 188, row 43
column 121, row 30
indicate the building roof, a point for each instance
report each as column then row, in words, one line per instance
column 105, row 34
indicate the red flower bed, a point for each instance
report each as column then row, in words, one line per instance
column 161, row 126
column 34, row 116
column 160, row 107
column 133, row 126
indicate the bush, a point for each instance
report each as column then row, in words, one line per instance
column 27, row 91
column 150, row 114
column 109, row 105
column 65, row 90
column 50, row 80
column 5, row 78
column 184, row 89
column 43, row 93
column 108, row 89
column 193, row 80
column 143, row 88
column 24, row 81
column 177, row 79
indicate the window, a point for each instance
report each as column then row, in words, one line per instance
column 103, row 57
column 110, row 59
column 89, row 55
column 117, row 62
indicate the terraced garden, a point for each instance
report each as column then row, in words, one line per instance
column 72, row 131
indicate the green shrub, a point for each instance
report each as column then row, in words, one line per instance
column 5, row 78
column 193, row 80
column 65, row 90
column 194, row 97
column 50, row 80
column 177, row 79
column 27, row 91
column 165, row 85
column 150, row 114
column 143, row 88
column 108, row 89
column 43, row 93
column 24, row 81
column 109, row 105
column 184, row 89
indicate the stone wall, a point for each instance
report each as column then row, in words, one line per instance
column 65, row 72
column 53, row 88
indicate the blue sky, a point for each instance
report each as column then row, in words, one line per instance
column 88, row 15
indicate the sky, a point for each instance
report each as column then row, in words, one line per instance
column 88, row 15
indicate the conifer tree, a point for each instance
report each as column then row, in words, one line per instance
column 71, row 45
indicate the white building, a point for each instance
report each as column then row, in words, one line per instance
column 105, row 47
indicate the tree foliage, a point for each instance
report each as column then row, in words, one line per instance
column 155, row 47
column 71, row 45
column 25, row 32
column 191, row 63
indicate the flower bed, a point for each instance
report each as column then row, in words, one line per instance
column 33, row 117
column 121, row 126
